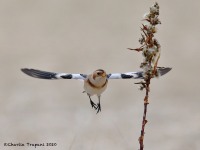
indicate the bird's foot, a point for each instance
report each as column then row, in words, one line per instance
column 93, row 104
column 98, row 108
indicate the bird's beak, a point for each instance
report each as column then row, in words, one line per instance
column 104, row 74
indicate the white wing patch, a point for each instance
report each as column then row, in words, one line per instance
column 128, row 75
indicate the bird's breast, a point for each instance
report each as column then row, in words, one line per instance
column 94, row 89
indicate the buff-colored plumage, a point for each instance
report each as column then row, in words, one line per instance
column 96, row 84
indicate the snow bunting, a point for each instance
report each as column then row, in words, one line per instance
column 95, row 83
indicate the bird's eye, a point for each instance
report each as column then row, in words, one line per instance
column 98, row 73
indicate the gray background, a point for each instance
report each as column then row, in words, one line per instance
column 81, row 36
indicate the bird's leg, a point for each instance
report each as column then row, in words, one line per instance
column 92, row 103
column 98, row 105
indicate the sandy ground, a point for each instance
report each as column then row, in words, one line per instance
column 81, row 36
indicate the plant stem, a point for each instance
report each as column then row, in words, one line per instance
column 144, row 120
column 150, row 49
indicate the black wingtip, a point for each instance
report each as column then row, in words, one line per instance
column 164, row 70
column 38, row 73
column 26, row 71
column 23, row 69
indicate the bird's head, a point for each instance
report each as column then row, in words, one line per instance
column 99, row 74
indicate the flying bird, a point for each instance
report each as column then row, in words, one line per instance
column 94, row 83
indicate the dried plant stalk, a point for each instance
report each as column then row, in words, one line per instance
column 150, row 49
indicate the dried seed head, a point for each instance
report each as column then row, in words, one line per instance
column 154, row 10
column 142, row 39
column 150, row 46
column 152, row 50
column 155, row 21
column 146, row 16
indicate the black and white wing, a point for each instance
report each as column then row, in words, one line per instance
column 136, row 75
column 52, row 75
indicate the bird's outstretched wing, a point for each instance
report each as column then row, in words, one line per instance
column 136, row 75
column 52, row 75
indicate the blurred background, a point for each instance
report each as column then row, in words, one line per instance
column 77, row 36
